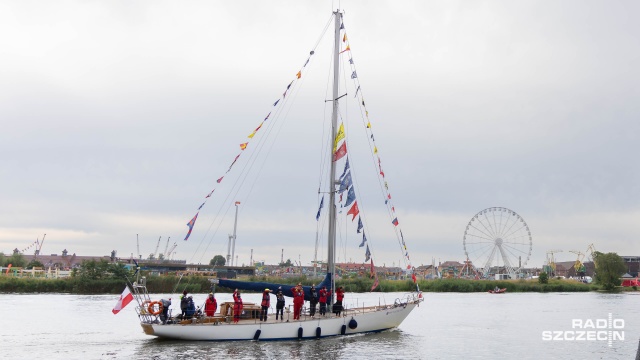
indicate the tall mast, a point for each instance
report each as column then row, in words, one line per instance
column 331, row 260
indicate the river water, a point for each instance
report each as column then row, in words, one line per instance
column 445, row 326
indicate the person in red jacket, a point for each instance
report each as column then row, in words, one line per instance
column 237, row 306
column 298, row 301
column 211, row 305
column 337, row 307
column 266, row 301
column 323, row 294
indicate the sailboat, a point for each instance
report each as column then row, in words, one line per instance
column 351, row 320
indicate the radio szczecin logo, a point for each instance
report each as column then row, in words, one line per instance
column 608, row 330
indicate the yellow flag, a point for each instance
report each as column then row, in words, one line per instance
column 251, row 136
column 339, row 136
column 375, row 150
column 369, row 125
column 299, row 74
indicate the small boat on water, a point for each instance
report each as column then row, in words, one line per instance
column 351, row 320
column 498, row 291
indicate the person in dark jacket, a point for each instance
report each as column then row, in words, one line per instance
column 280, row 304
column 191, row 308
column 266, row 301
column 184, row 302
column 165, row 310
column 313, row 301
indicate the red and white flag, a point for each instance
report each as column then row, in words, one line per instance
column 124, row 300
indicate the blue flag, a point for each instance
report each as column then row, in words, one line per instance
column 346, row 183
column 346, row 167
column 351, row 197
column 367, row 254
column 320, row 208
column 360, row 225
column 364, row 240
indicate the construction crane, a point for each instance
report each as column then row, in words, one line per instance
column 578, row 265
column 551, row 261
column 167, row 255
column 38, row 247
column 164, row 253
column 591, row 249
column 155, row 253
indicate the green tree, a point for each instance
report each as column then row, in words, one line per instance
column 543, row 278
column 34, row 263
column 96, row 270
column 609, row 269
column 16, row 260
column 218, row 260
column 286, row 263
column 3, row 258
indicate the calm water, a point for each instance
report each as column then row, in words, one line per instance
column 446, row 326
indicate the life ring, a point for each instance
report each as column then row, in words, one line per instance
column 151, row 305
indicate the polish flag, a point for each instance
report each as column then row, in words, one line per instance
column 124, row 300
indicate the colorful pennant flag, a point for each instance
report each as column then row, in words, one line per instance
column 346, row 167
column 395, row 222
column 243, row 146
column 342, row 151
column 354, row 210
column 345, row 183
column 190, row 225
column 211, row 193
column 299, row 74
column 351, row 197
column 339, row 136
column 276, row 103
column 219, row 180
column 346, row 49
column 353, row 75
column 359, row 225
column 364, row 240
column 367, row 254
column 375, row 283
column 320, row 208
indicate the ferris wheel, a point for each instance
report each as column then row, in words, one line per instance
column 497, row 241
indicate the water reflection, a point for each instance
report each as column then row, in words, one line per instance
column 351, row 346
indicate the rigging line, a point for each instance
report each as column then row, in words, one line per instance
column 275, row 120
column 371, row 142
column 308, row 60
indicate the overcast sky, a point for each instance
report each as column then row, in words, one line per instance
column 117, row 118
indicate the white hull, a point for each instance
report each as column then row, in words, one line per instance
column 370, row 321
